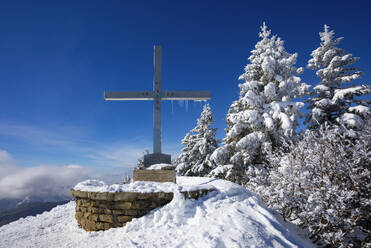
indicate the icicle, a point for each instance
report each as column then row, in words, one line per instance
column 186, row 104
column 200, row 103
column 172, row 106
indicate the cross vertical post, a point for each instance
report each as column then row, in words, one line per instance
column 157, row 95
column 157, row 100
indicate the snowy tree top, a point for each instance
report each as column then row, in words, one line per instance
column 265, row 32
column 334, row 97
column 332, row 59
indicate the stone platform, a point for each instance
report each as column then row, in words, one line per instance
column 104, row 210
column 154, row 175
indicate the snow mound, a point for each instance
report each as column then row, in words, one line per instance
column 231, row 216
column 141, row 186
column 160, row 166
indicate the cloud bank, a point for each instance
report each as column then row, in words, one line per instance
column 39, row 183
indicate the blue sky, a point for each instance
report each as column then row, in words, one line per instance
column 58, row 57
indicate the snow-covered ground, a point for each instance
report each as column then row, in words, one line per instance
column 229, row 217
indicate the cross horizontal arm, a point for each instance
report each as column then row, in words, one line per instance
column 128, row 95
column 185, row 95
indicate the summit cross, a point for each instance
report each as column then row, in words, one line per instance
column 157, row 95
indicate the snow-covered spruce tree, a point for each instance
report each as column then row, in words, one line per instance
column 334, row 98
column 323, row 185
column 140, row 163
column 199, row 145
column 127, row 179
column 264, row 112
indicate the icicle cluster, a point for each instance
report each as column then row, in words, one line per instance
column 334, row 99
column 199, row 145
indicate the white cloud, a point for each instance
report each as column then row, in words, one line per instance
column 7, row 163
column 127, row 155
column 51, row 182
column 5, row 157
column 73, row 141
column 43, row 182
column 74, row 166
column 118, row 155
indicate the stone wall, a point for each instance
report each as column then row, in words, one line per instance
column 101, row 211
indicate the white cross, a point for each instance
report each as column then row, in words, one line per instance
column 157, row 95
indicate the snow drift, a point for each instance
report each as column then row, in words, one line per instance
column 231, row 216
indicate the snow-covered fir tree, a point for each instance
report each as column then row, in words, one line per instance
column 127, row 179
column 334, row 98
column 199, row 145
column 264, row 112
column 140, row 163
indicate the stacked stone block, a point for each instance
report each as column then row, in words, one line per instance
column 101, row 211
